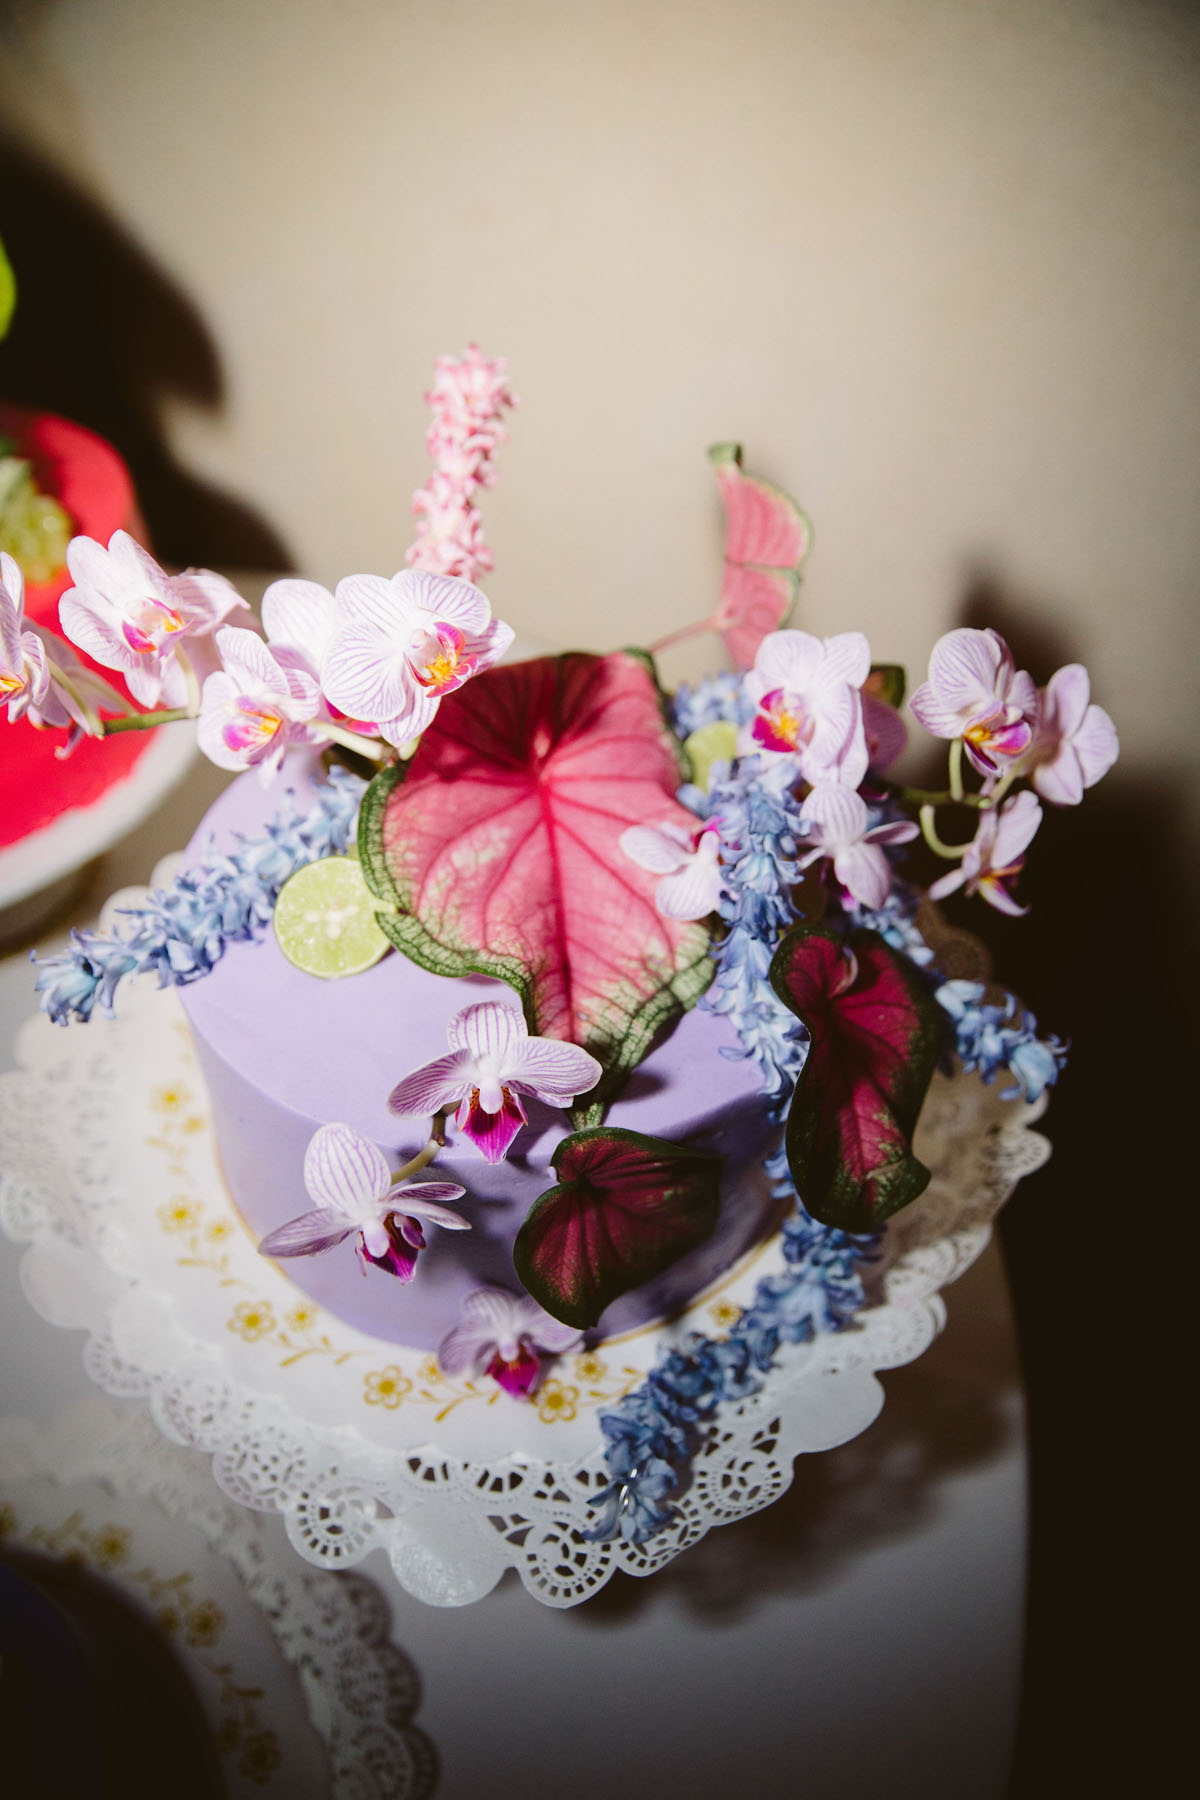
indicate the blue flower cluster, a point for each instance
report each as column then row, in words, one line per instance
column 181, row 932
column 761, row 834
column 653, row 1433
column 990, row 1038
column 716, row 699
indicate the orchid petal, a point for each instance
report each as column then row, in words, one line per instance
column 1096, row 745
column 1015, row 828
column 965, row 665
column 555, row 1071
column 491, row 1132
column 996, row 894
column 462, row 1349
column 789, row 659
column 249, row 661
column 865, row 872
column 304, row 1236
column 692, row 892
column 839, row 814
column 420, row 1201
column 344, row 1169
column 446, row 597
column 417, row 717
column 364, row 672
column 299, row 615
column 489, row 1032
column 1060, row 779
column 885, row 731
column 516, row 1375
column 947, row 884
column 432, row 1087
column 847, row 659
column 659, row 848
column 939, row 719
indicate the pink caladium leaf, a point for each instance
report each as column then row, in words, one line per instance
column 767, row 538
column 876, row 1035
column 500, row 847
column 626, row 1208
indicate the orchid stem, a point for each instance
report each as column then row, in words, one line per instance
column 950, row 852
column 437, row 1141
column 956, row 785
column 352, row 740
column 145, row 721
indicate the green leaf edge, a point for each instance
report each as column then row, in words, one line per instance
column 8, row 291
column 581, row 1320
column 720, row 456
column 910, row 1177
column 895, row 682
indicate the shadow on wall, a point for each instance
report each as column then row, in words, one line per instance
column 103, row 335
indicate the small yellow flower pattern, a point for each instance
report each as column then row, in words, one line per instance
column 386, row 1387
column 178, row 1214
column 555, row 1402
column 203, row 1625
column 724, row 1314
column 252, row 1319
column 302, row 1317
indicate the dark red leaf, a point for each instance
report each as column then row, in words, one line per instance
column 501, row 849
column 876, row 1034
column 625, row 1209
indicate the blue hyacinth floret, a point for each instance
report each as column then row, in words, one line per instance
column 990, row 1037
column 652, row 1434
column 181, row 932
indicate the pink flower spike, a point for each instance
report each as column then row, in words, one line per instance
column 500, row 1335
column 689, row 863
column 349, row 1178
column 255, row 708
column 810, row 704
column 1074, row 744
column 126, row 612
column 976, row 692
column 840, row 832
column 494, row 1061
column 996, row 856
column 398, row 645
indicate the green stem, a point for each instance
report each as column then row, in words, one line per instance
column 956, row 756
column 437, row 1141
column 951, row 852
column 938, row 797
column 351, row 740
column 145, row 721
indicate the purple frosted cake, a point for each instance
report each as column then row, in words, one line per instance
column 284, row 1053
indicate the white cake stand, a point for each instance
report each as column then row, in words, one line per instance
column 110, row 1178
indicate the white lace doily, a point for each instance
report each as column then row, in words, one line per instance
column 109, row 1175
column 263, row 1639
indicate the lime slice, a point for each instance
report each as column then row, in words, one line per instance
column 709, row 744
column 325, row 919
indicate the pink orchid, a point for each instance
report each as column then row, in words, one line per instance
column 1074, row 744
column 976, row 692
column 997, row 855
column 691, row 884
column 40, row 675
column 809, row 703
column 840, row 822
column 254, row 708
column 348, row 1176
column 500, row 1335
column 299, row 618
column 24, row 672
column 129, row 614
column 492, row 1062
column 400, row 645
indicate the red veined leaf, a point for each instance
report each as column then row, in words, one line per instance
column 500, row 847
column 767, row 538
column 876, row 1034
column 625, row 1209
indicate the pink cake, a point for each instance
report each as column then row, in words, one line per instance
column 284, row 1052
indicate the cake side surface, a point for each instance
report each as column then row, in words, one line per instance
column 284, row 1053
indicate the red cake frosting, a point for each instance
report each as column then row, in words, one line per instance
column 94, row 487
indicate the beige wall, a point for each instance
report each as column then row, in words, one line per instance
column 935, row 262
